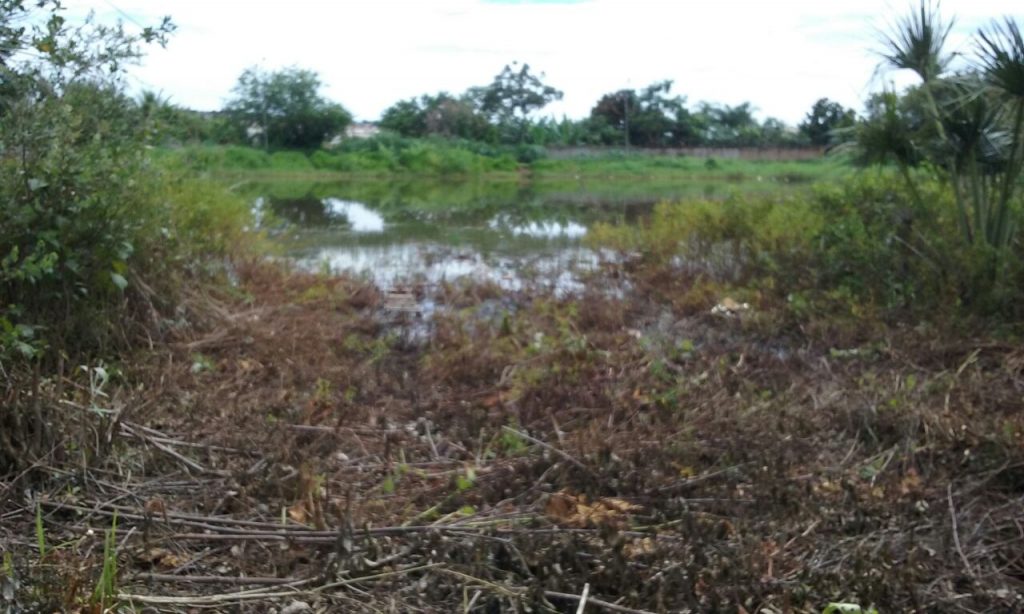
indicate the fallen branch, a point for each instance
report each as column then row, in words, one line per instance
column 551, row 448
column 188, row 462
column 583, row 598
column 598, row 602
column 186, row 579
column 956, row 531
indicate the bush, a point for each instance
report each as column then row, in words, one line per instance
column 863, row 245
column 97, row 241
column 290, row 161
column 90, row 225
column 245, row 157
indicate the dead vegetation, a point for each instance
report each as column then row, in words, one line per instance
column 524, row 453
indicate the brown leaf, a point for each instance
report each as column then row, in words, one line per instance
column 574, row 510
column 911, row 483
column 560, row 507
column 298, row 512
column 619, row 505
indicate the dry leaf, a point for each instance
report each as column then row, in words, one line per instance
column 560, row 507
column 574, row 510
column 298, row 512
column 911, row 483
column 619, row 505
column 159, row 557
column 639, row 547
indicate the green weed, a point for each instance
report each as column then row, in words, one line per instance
column 106, row 585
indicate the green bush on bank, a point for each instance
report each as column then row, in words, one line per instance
column 98, row 240
column 864, row 245
column 386, row 154
column 93, row 231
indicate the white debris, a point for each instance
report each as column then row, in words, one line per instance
column 729, row 308
column 296, row 607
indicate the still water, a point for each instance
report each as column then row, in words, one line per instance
column 399, row 233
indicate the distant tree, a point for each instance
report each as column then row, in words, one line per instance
column 440, row 115
column 512, row 96
column 729, row 126
column 405, row 117
column 649, row 118
column 565, row 132
column 166, row 123
column 448, row 116
column 776, row 133
column 824, row 118
column 610, row 117
column 287, row 106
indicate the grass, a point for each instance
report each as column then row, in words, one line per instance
column 457, row 159
column 625, row 166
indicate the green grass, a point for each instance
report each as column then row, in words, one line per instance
column 439, row 158
column 624, row 166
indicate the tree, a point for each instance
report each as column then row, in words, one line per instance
column 441, row 114
column 512, row 96
column 286, row 107
column 650, row 118
column 824, row 118
column 406, row 118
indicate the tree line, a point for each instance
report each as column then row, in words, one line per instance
column 285, row 109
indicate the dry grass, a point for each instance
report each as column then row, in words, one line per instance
column 306, row 448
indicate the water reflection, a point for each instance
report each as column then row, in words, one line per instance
column 360, row 218
column 397, row 265
column 541, row 229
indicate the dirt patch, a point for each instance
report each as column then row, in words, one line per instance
column 533, row 449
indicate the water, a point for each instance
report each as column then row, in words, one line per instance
column 359, row 217
column 511, row 233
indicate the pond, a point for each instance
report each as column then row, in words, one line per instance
column 512, row 232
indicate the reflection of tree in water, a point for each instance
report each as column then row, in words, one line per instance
column 477, row 201
column 304, row 211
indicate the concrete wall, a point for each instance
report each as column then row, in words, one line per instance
column 723, row 153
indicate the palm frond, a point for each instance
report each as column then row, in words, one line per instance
column 972, row 122
column 885, row 136
column 916, row 43
column 1001, row 53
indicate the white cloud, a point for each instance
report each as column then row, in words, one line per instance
column 781, row 56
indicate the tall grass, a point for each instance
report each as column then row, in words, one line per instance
column 865, row 245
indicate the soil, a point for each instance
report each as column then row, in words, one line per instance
column 311, row 445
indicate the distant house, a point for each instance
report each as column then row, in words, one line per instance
column 254, row 132
column 362, row 130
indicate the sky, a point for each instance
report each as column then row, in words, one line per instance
column 781, row 56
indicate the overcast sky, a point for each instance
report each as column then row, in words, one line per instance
column 781, row 56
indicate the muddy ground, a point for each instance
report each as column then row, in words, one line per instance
column 308, row 441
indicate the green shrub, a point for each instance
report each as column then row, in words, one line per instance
column 91, row 229
column 869, row 244
column 290, row 161
column 245, row 157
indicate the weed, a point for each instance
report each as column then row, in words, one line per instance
column 40, row 532
column 465, row 480
column 847, row 608
column 201, row 363
column 106, row 585
column 511, row 442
